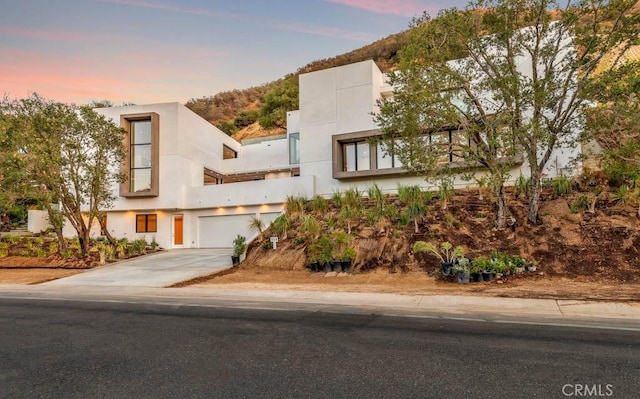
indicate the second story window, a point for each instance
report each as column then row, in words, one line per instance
column 140, row 150
column 356, row 156
column 294, row 148
column 228, row 153
column 143, row 159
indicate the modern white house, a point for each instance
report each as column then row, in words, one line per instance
column 192, row 186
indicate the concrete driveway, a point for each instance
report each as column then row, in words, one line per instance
column 159, row 270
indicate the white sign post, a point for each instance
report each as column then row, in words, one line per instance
column 274, row 241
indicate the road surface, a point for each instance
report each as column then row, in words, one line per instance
column 76, row 349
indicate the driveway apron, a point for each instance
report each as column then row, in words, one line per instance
column 158, row 270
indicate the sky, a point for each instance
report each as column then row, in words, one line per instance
column 149, row 51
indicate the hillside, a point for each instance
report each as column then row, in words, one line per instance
column 236, row 112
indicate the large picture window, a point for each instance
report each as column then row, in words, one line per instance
column 147, row 223
column 142, row 162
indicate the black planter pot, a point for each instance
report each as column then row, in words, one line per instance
column 346, row 265
column 446, row 268
column 336, row 266
column 313, row 267
column 463, row 276
column 476, row 277
column 487, row 276
column 326, row 267
column 235, row 260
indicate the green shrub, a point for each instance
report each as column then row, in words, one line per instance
column 310, row 225
column 319, row 204
column 523, row 186
column 138, row 246
column 582, row 202
column 336, row 198
column 267, row 245
column 154, row 244
column 562, row 186
column 53, row 248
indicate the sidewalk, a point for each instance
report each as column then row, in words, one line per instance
column 598, row 314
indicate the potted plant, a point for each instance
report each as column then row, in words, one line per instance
column 518, row 263
column 313, row 255
column 462, row 270
column 533, row 266
column 446, row 253
column 239, row 246
column 475, row 269
column 346, row 258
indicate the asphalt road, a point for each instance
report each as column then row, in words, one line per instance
column 66, row 349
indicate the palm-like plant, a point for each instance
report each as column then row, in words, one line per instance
column 257, row 225
column 446, row 253
column 415, row 200
column 281, row 225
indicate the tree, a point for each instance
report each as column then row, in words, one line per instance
column 280, row 99
column 68, row 155
column 518, row 83
column 615, row 121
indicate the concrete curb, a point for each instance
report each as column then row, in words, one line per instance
column 363, row 302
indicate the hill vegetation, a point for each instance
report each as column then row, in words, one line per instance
column 263, row 108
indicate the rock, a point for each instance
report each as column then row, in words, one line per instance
column 499, row 282
column 331, row 274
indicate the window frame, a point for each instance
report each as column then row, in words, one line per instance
column 126, row 122
column 226, row 150
column 338, row 161
column 291, row 139
column 146, row 217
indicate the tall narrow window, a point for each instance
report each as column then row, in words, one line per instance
column 143, row 159
column 294, row 148
column 141, row 163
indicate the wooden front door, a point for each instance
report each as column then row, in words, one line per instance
column 177, row 230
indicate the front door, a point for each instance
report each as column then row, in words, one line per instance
column 177, row 231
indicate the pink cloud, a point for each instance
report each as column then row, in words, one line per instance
column 405, row 8
column 117, row 78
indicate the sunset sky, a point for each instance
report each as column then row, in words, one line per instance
column 146, row 51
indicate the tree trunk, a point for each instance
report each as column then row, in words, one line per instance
column 84, row 240
column 534, row 199
column 62, row 245
column 501, row 208
column 415, row 225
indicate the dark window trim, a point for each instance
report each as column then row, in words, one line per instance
column 338, row 161
column 146, row 222
column 125, row 123
column 338, row 140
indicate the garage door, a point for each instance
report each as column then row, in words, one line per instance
column 220, row 231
